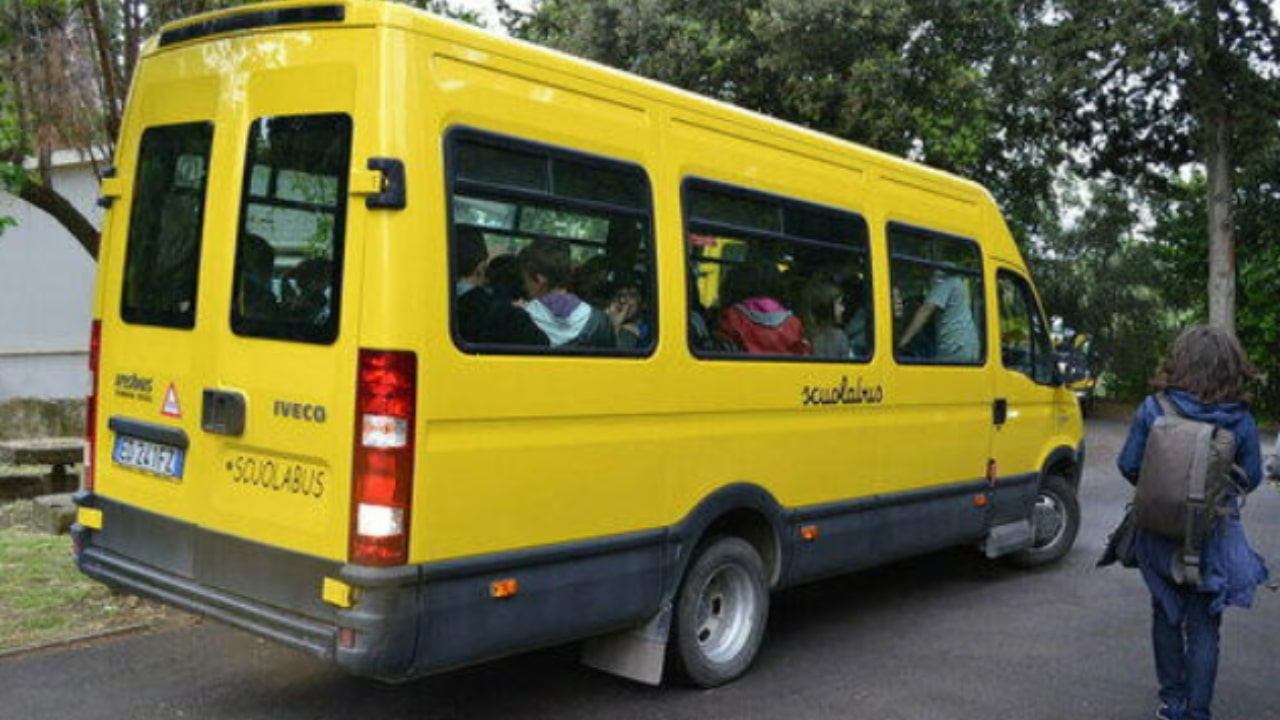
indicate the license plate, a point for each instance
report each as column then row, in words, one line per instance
column 147, row 456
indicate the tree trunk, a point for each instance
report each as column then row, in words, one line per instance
column 53, row 203
column 107, row 69
column 1222, row 242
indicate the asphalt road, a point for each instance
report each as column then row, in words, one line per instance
column 949, row 636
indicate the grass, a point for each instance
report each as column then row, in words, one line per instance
column 44, row 598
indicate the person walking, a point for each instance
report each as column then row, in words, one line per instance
column 1205, row 378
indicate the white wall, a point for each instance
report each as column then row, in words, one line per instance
column 46, row 294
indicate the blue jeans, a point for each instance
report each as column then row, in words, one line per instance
column 1187, row 655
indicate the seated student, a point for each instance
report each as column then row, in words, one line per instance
column 256, row 300
column 565, row 318
column 857, row 326
column 473, row 297
column 307, row 295
column 505, row 322
column 822, row 305
column 753, row 319
column 626, row 309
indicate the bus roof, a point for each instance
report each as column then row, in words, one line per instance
column 310, row 14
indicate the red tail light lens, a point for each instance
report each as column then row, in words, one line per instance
column 382, row 470
column 91, row 405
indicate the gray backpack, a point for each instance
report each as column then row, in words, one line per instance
column 1186, row 482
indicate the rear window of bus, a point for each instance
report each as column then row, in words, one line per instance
column 162, row 262
column 288, row 267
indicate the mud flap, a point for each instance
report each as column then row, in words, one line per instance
column 637, row 653
column 1008, row 538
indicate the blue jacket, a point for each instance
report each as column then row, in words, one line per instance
column 1230, row 569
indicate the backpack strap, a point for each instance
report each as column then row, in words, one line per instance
column 1167, row 405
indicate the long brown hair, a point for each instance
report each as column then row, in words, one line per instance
column 1209, row 362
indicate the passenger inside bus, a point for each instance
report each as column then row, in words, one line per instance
column 822, row 310
column 753, row 318
column 306, row 292
column 505, row 320
column 619, row 293
column 955, row 333
column 857, row 325
column 566, row 319
column 627, row 310
column 256, row 265
column 473, row 296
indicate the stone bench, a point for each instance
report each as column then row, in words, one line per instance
column 59, row 455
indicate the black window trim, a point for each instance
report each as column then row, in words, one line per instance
column 979, row 272
column 455, row 186
column 159, row 318
column 691, row 226
column 329, row 333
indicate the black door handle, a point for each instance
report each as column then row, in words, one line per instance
column 1000, row 411
column 222, row 412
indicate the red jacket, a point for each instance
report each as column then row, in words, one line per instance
column 762, row 326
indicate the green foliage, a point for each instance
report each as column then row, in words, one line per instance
column 1182, row 245
column 1102, row 277
column 12, row 177
column 941, row 81
column 1138, row 83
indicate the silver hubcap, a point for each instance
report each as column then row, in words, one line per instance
column 1050, row 520
column 726, row 612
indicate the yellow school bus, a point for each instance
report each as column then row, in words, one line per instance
column 415, row 346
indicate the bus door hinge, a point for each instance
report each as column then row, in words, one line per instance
column 383, row 185
column 1000, row 411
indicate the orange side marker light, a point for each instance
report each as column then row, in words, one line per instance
column 809, row 533
column 505, row 588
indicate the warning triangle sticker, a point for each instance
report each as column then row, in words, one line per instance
column 171, row 407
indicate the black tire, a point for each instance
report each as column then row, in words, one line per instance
column 720, row 613
column 1055, row 521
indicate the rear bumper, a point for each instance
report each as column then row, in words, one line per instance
column 302, row 633
column 405, row 621
column 272, row 593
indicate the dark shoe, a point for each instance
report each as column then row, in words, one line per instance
column 1168, row 712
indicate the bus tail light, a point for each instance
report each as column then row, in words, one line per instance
column 382, row 468
column 91, row 405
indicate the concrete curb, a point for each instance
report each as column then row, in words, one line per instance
column 76, row 640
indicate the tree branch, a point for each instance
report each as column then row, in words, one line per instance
column 49, row 200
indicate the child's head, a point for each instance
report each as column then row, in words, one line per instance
column 822, row 305
column 546, row 265
column 1209, row 362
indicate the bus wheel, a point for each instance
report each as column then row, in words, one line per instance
column 721, row 612
column 1055, row 520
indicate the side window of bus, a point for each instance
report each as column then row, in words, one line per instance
column 936, row 285
column 772, row 276
column 162, row 263
column 288, row 272
column 1024, row 337
column 551, row 250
